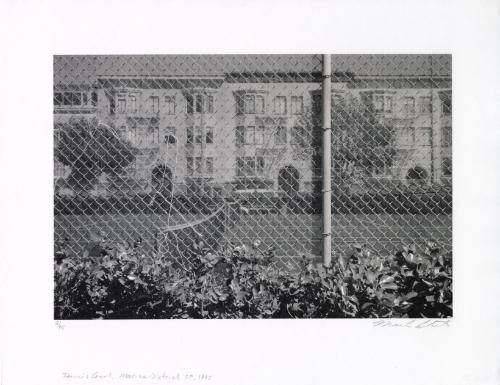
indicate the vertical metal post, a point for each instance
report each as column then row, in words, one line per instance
column 327, row 162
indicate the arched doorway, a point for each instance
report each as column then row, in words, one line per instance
column 288, row 180
column 161, row 179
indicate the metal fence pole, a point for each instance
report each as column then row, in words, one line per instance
column 327, row 163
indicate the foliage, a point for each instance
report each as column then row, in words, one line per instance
column 362, row 142
column 90, row 149
column 116, row 282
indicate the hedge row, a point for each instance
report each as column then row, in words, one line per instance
column 367, row 203
column 109, row 282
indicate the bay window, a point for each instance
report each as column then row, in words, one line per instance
column 250, row 103
column 199, row 103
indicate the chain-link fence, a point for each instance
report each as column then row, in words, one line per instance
column 161, row 151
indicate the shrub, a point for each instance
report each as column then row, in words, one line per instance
column 90, row 149
column 239, row 282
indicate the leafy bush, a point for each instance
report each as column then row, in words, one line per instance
column 116, row 282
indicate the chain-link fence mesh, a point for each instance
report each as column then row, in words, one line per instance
column 161, row 151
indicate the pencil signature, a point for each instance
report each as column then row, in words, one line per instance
column 415, row 324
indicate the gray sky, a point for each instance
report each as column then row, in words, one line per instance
column 86, row 69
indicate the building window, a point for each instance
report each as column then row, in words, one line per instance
column 122, row 104
column 408, row 105
column 144, row 136
column 94, row 99
column 299, row 136
column 209, row 165
column 249, row 103
column 154, row 104
column 280, row 136
column 189, row 104
column 446, row 167
column 209, row 135
column 58, row 99
column 446, row 137
column 280, row 105
column 153, row 136
column 424, row 136
column 378, row 103
column 197, row 166
column 68, row 98
column 407, row 137
column 382, row 103
column 76, row 98
column 425, row 104
column 122, row 131
column 240, row 135
column 198, row 103
column 388, row 103
column 259, row 135
column 194, row 135
column 446, row 103
column 297, row 105
column 128, row 133
column 250, row 166
column 189, row 165
column 259, row 104
column 194, row 166
column 198, row 138
column 170, row 135
column 249, row 135
column 170, row 105
column 132, row 104
column 210, row 104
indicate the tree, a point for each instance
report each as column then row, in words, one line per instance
column 362, row 141
column 91, row 148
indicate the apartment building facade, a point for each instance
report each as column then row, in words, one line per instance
column 227, row 133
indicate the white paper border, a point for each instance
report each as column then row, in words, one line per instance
column 35, row 351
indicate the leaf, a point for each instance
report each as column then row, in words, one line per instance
column 389, row 286
column 386, row 279
column 370, row 276
column 240, row 296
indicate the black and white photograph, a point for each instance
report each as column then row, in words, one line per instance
column 236, row 192
column 253, row 186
